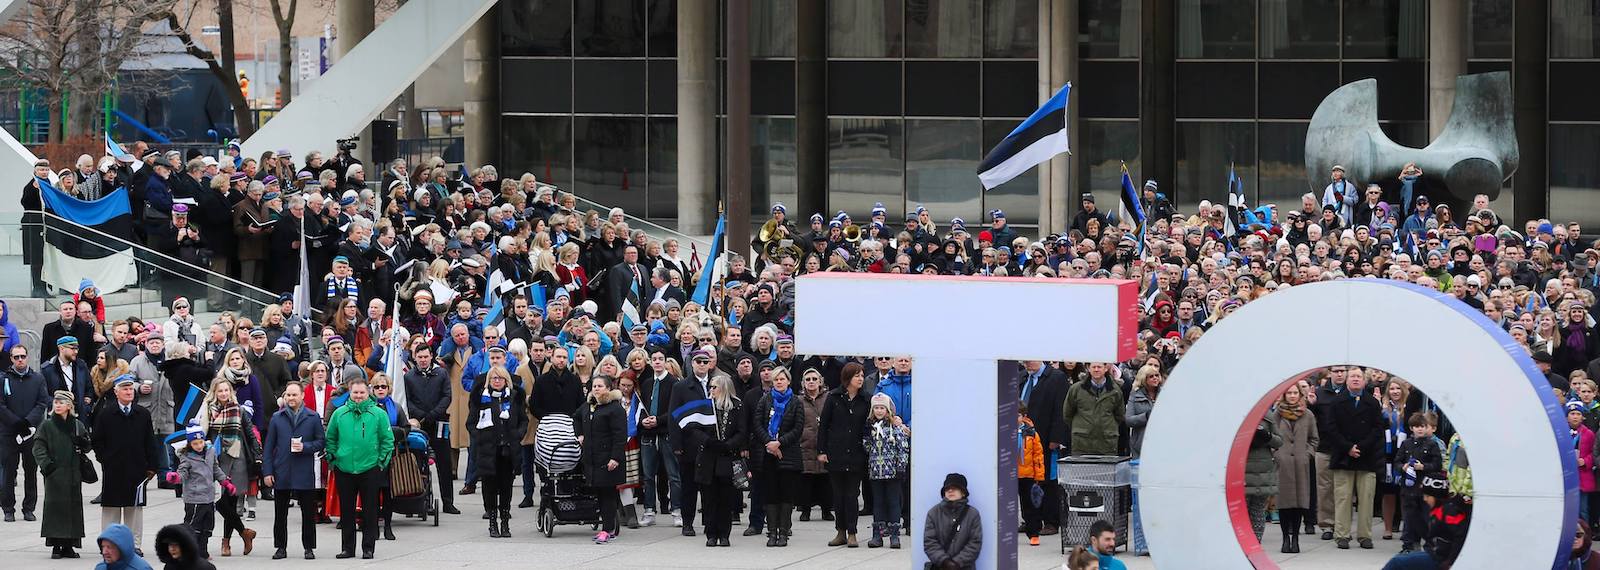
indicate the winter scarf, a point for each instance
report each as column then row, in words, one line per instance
column 1291, row 414
column 780, row 402
column 1576, row 339
column 227, row 423
column 503, row 396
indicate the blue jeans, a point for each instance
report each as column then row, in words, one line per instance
column 886, row 500
column 1412, row 561
column 656, row 451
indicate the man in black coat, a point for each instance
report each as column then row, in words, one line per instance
column 697, row 386
column 1356, row 449
column 1044, row 389
column 428, row 405
column 662, row 289
column 655, row 445
column 68, row 372
column 764, row 310
column 270, row 369
column 630, row 281
column 125, row 444
column 69, row 325
column 23, row 401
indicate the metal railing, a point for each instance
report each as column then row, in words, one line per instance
column 636, row 222
column 153, row 254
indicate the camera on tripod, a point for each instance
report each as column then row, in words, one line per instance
column 347, row 145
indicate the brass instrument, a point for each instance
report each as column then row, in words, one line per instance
column 852, row 233
column 772, row 231
column 775, row 250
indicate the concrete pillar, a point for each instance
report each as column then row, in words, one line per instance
column 737, row 94
column 355, row 20
column 1447, row 58
column 1157, row 104
column 1058, row 65
column 1530, row 69
column 810, row 111
column 480, row 72
column 697, row 116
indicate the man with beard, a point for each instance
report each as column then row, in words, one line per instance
column 428, row 405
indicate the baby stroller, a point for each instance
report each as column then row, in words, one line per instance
column 562, row 496
column 410, row 480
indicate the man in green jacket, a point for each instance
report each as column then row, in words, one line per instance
column 1094, row 413
column 358, row 446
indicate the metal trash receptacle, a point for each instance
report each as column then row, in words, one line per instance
column 1095, row 488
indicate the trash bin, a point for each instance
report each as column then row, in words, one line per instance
column 1094, row 488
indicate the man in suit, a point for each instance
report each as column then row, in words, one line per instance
column 69, row 325
column 628, row 283
column 1355, row 439
column 696, row 386
column 269, row 368
column 661, row 283
column 68, row 372
column 1044, row 389
column 655, row 445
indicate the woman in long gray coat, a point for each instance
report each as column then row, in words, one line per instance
column 1298, row 427
column 1261, row 472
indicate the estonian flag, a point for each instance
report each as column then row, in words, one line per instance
column 696, row 412
column 702, row 290
column 74, row 254
column 1236, row 207
column 115, row 150
column 1040, row 137
column 193, row 400
column 1131, row 210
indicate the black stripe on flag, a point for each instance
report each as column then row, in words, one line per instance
column 77, row 243
column 1050, row 124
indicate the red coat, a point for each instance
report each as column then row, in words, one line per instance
column 1586, row 455
column 574, row 274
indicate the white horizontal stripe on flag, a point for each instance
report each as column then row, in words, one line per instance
column 1040, row 151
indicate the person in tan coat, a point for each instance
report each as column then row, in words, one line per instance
column 1298, row 428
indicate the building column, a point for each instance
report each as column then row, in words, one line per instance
column 480, row 69
column 737, row 95
column 1529, row 72
column 1447, row 59
column 697, row 115
column 354, row 21
column 1157, row 110
column 810, row 111
column 1058, row 65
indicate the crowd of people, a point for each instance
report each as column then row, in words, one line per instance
column 510, row 308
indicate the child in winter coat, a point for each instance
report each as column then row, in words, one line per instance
column 198, row 473
column 1420, row 454
column 177, row 548
column 888, row 443
column 465, row 315
column 1030, row 472
column 1583, row 439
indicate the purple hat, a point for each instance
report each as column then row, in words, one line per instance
column 284, row 153
column 237, row 176
column 269, row 180
column 303, row 175
column 178, row 209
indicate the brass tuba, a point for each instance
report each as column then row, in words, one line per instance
column 776, row 249
column 770, row 232
column 852, row 233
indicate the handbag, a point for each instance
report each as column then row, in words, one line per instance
column 86, row 470
column 741, row 471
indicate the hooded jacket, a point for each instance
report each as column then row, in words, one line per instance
column 898, row 388
column 200, row 473
column 12, row 337
column 120, row 536
column 188, row 549
column 359, row 437
column 603, row 425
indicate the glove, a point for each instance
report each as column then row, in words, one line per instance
column 227, row 485
column 249, row 406
column 173, row 478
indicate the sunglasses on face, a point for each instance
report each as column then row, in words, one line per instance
column 19, row 357
column 180, row 306
column 380, row 386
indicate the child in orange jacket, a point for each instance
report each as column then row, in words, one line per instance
column 1030, row 472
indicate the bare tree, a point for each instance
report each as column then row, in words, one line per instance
column 223, row 68
column 75, row 48
column 285, row 21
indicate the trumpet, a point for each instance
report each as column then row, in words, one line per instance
column 852, row 233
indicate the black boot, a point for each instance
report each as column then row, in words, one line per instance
column 805, row 514
column 388, row 529
column 774, row 528
column 1294, row 543
column 786, row 518
column 494, row 527
column 1288, row 540
column 505, row 522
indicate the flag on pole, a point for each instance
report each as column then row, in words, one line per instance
column 115, row 150
column 1041, row 136
column 1130, row 210
column 394, row 359
column 1235, row 204
column 702, row 290
column 302, row 288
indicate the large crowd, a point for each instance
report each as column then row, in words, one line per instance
column 543, row 342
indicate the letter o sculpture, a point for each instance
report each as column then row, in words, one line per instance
column 1525, row 498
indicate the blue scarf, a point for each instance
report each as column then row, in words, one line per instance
column 633, row 412
column 780, row 402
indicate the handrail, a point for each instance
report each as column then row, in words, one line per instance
column 265, row 294
column 680, row 236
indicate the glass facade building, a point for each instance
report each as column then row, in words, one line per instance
column 918, row 91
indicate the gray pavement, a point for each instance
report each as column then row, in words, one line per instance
column 461, row 541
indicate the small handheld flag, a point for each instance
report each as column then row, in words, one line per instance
column 1130, row 209
column 1041, row 136
column 702, row 290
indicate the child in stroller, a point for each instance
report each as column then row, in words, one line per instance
column 562, row 497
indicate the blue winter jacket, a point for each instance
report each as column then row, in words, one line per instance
column 292, row 471
column 898, row 388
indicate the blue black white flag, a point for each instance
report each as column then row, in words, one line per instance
column 1236, row 207
column 695, row 412
column 1042, row 136
column 1130, row 210
column 73, row 254
column 702, row 290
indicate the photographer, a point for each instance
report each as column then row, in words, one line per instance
column 343, row 159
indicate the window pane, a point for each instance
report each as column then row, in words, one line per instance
column 772, row 28
column 1116, row 92
column 1491, row 27
column 1011, row 28
column 1216, row 90
column 609, row 28
column 942, row 28
column 609, row 160
column 771, row 87
column 609, row 86
column 1283, row 163
column 1293, row 90
column 662, row 18
column 942, row 88
column 866, row 164
column 1402, row 87
column 1574, row 99
column 1102, row 147
column 1300, row 29
column 941, row 159
column 1108, row 28
column 663, row 86
column 662, row 152
column 541, row 145
column 772, row 175
column 1205, row 150
column 864, row 28
column 1575, row 174
column 1019, row 197
column 536, row 27
column 1385, row 29
column 864, row 87
column 535, row 85
column 1216, row 29
column 1003, row 94
column 1572, row 29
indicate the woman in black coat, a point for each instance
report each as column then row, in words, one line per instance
column 715, row 448
column 839, row 448
column 602, row 436
column 497, row 423
column 775, row 433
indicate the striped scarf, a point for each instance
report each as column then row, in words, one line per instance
column 228, row 425
column 342, row 287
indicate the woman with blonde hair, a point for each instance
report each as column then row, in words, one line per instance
column 1393, row 407
column 570, row 274
column 583, row 364
column 228, row 422
column 608, row 366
